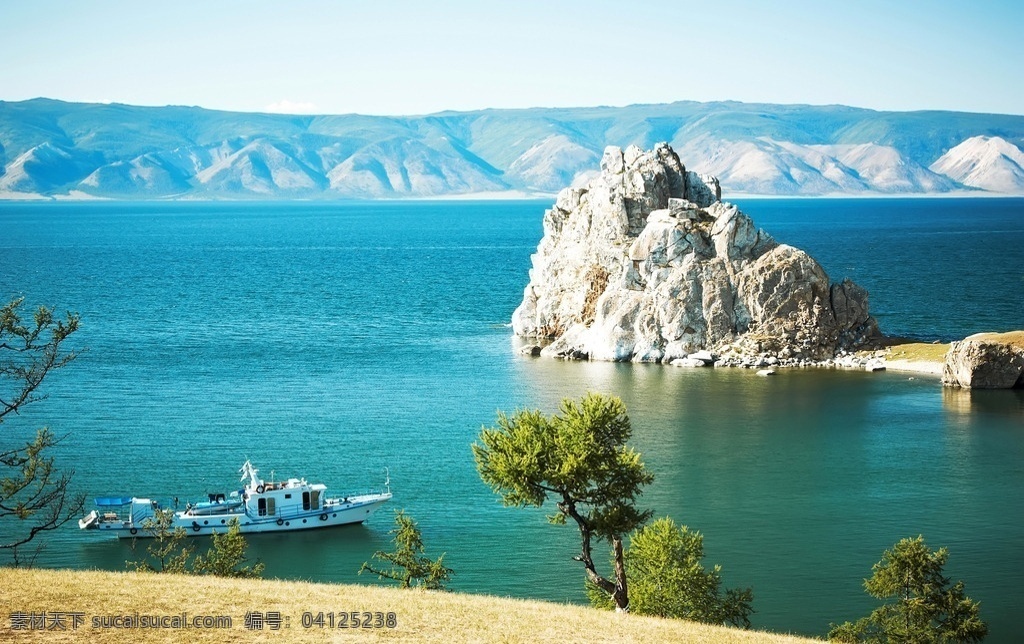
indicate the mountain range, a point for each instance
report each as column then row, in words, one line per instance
column 51, row 148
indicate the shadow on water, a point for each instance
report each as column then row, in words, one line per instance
column 295, row 555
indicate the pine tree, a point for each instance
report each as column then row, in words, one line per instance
column 32, row 489
column 925, row 608
column 226, row 556
column 580, row 459
column 667, row 579
column 168, row 552
column 409, row 567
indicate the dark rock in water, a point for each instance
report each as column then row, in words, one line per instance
column 530, row 350
column 647, row 264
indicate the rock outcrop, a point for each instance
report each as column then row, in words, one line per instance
column 985, row 361
column 646, row 263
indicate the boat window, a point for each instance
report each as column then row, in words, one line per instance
column 270, row 506
column 261, row 507
column 316, row 499
column 305, row 500
column 287, row 496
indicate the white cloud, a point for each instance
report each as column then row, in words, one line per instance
column 291, row 107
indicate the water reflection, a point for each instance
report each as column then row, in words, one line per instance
column 826, row 467
column 964, row 402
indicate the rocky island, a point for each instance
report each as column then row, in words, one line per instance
column 646, row 263
column 986, row 361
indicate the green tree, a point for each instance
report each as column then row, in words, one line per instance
column 667, row 579
column 168, row 552
column 409, row 566
column 31, row 488
column 926, row 608
column 580, row 458
column 226, row 556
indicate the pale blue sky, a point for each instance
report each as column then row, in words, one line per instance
column 405, row 57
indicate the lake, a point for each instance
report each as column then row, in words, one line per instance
column 332, row 341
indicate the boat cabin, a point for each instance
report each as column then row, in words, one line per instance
column 287, row 499
column 283, row 499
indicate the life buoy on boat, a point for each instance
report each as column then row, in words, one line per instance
column 195, row 526
column 133, row 530
column 259, row 489
column 280, row 522
column 323, row 517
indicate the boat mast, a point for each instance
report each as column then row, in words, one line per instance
column 250, row 472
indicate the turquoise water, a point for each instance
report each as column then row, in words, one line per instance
column 331, row 341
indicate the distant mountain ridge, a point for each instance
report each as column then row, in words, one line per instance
column 51, row 148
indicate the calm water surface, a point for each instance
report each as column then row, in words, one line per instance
column 332, row 341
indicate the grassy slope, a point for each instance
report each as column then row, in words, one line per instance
column 918, row 351
column 422, row 616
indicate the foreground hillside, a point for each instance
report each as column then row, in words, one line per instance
column 55, row 149
column 419, row 616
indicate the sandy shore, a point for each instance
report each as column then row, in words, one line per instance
column 928, row 367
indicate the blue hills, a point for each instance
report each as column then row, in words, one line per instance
column 51, row 148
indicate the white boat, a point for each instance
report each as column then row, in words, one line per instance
column 259, row 506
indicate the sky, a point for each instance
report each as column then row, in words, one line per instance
column 396, row 57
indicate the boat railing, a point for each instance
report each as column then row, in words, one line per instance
column 367, row 492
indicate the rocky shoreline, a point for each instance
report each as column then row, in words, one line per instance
column 981, row 361
column 871, row 361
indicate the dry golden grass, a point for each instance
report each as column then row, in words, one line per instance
column 1016, row 338
column 918, row 352
column 421, row 616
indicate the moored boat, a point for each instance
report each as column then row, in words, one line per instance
column 259, row 506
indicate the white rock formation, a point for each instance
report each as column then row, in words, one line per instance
column 647, row 264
